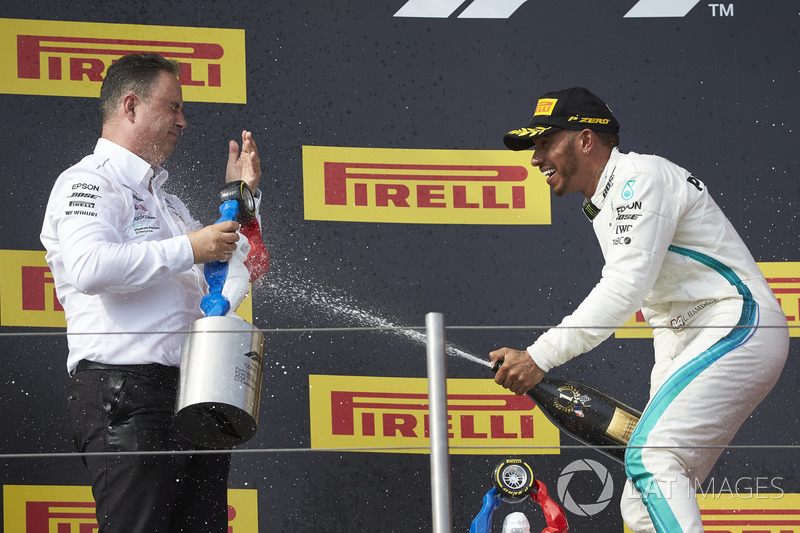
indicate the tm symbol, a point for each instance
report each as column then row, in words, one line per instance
column 721, row 10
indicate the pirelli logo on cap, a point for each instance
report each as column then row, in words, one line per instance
column 743, row 511
column 423, row 186
column 545, row 106
column 28, row 292
column 783, row 279
column 71, row 509
column 71, row 58
column 390, row 415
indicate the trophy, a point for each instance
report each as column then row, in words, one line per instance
column 221, row 363
column 514, row 483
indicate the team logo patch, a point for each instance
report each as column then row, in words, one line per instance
column 627, row 190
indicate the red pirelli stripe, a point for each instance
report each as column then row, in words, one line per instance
column 785, row 290
column 788, row 290
column 746, row 519
column 38, row 515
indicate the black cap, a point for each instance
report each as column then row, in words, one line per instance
column 570, row 109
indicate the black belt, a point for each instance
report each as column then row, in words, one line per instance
column 153, row 370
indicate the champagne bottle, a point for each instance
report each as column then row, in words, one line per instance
column 586, row 414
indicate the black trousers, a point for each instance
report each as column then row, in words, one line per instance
column 130, row 409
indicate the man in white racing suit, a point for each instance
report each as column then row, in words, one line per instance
column 671, row 252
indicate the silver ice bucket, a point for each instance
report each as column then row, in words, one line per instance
column 220, row 382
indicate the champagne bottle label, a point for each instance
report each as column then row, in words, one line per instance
column 571, row 400
column 621, row 425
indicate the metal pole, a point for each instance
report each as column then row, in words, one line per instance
column 437, row 408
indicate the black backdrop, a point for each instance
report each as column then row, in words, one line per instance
column 714, row 90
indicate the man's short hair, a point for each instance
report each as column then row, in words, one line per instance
column 609, row 139
column 133, row 73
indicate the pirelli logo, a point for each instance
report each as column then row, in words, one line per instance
column 28, row 292
column 749, row 513
column 71, row 509
column 391, row 415
column 423, row 186
column 545, row 106
column 783, row 279
column 70, row 58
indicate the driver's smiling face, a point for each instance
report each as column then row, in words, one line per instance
column 554, row 155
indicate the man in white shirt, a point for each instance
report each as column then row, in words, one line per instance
column 126, row 259
column 671, row 252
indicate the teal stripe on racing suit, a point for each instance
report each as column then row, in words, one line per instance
column 657, row 505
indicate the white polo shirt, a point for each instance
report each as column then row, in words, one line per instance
column 121, row 261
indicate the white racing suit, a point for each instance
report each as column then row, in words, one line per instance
column 670, row 251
